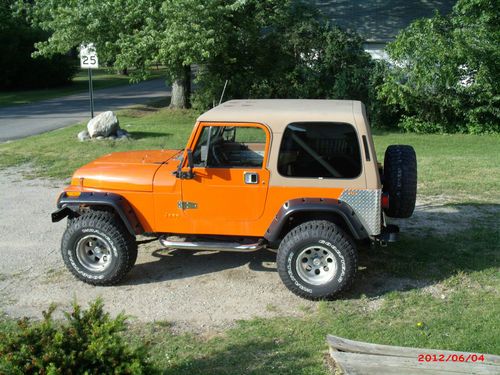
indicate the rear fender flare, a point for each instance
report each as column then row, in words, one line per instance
column 312, row 205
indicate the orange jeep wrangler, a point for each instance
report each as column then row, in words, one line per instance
column 299, row 176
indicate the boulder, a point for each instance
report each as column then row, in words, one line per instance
column 83, row 135
column 103, row 125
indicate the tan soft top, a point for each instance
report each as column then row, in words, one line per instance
column 278, row 113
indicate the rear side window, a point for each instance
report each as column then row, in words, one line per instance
column 319, row 150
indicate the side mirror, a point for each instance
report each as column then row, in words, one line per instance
column 189, row 174
column 190, row 163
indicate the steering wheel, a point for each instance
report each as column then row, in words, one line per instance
column 219, row 156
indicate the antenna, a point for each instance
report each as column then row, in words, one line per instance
column 223, row 91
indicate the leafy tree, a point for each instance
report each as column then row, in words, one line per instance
column 446, row 72
column 273, row 48
column 138, row 33
column 285, row 50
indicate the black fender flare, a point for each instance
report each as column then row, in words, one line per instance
column 323, row 205
column 67, row 205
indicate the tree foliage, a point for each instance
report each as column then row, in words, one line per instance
column 446, row 72
column 17, row 68
column 285, row 50
column 137, row 33
column 273, row 48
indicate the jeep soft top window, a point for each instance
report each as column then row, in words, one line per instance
column 230, row 147
column 319, row 150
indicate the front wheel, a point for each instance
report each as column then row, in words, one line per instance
column 97, row 248
column 317, row 260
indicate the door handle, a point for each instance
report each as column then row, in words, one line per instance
column 251, row 177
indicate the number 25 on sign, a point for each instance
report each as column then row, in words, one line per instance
column 88, row 57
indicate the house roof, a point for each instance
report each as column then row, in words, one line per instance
column 380, row 20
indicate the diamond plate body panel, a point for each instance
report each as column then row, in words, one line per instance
column 366, row 205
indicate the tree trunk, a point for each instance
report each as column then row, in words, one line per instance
column 181, row 89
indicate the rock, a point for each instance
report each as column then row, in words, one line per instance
column 112, row 137
column 83, row 136
column 99, row 137
column 103, row 125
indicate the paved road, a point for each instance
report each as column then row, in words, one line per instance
column 30, row 119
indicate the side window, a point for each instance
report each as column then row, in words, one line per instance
column 319, row 150
column 230, row 147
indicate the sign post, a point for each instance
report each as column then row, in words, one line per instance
column 88, row 60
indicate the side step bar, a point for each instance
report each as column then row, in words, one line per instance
column 183, row 244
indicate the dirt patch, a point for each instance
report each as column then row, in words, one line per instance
column 438, row 215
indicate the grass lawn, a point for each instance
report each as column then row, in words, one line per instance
column 450, row 282
column 101, row 79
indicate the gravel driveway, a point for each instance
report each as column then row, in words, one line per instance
column 200, row 291
column 194, row 291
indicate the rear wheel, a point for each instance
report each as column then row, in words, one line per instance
column 98, row 249
column 400, row 180
column 317, row 260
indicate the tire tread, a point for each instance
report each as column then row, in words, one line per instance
column 317, row 229
column 108, row 223
column 400, row 180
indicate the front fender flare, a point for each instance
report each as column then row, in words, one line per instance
column 68, row 205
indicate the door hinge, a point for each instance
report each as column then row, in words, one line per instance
column 186, row 205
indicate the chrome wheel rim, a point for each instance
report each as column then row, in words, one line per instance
column 316, row 265
column 94, row 253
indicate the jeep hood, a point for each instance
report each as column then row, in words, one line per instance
column 130, row 171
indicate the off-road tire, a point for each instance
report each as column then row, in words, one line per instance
column 112, row 233
column 111, row 216
column 329, row 238
column 400, row 180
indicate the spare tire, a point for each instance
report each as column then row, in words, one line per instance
column 400, row 180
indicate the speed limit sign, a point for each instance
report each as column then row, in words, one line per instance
column 88, row 56
column 88, row 60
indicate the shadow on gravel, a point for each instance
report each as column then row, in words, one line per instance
column 182, row 264
column 461, row 240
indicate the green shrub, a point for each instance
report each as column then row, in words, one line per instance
column 413, row 124
column 89, row 342
column 446, row 71
column 381, row 114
